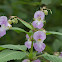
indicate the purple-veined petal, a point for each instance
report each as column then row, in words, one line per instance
column 2, row 32
column 39, row 14
column 27, row 36
column 39, row 47
column 39, row 36
column 34, row 24
column 28, row 44
column 37, row 24
column 3, row 20
column 60, row 55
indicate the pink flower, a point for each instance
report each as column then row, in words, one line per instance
column 27, row 36
column 39, row 36
column 39, row 47
column 2, row 32
column 28, row 44
column 60, row 55
column 4, row 25
column 39, row 15
column 37, row 24
column 3, row 20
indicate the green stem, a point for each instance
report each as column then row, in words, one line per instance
column 32, row 47
column 31, row 52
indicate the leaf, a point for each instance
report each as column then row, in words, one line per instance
column 46, row 2
column 16, row 47
column 51, row 32
column 28, row 3
column 48, row 49
column 7, row 55
column 18, row 30
column 52, row 58
column 57, row 44
column 25, row 23
column 2, row 48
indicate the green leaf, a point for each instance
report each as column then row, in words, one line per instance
column 2, row 48
column 25, row 23
column 46, row 2
column 15, row 47
column 51, row 32
column 57, row 44
column 18, row 30
column 7, row 55
column 28, row 3
column 52, row 58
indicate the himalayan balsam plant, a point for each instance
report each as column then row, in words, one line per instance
column 33, row 49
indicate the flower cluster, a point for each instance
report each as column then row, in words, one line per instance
column 39, row 34
column 38, row 17
column 4, row 25
column 35, row 37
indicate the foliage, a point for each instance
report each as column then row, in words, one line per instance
column 15, row 47
column 25, row 10
column 7, row 55
column 52, row 58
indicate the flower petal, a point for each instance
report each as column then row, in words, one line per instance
column 39, row 47
column 28, row 44
column 39, row 35
column 2, row 32
column 3, row 20
column 39, row 14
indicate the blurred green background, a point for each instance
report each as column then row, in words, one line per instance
column 25, row 10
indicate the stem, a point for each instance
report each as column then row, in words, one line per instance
column 31, row 47
column 31, row 52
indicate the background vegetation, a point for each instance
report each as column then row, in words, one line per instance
column 25, row 10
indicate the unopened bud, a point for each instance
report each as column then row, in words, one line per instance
column 45, row 12
column 56, row 53
column 10, row 21
column 13, row 19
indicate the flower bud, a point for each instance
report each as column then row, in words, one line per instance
column 45, row 12
column 10, row 21
column 13, row 19
column 56, row 53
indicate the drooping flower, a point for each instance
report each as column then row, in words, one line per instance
column 3, row 20
column 28, row 44
column 37, row 24
column 2, row 32
column 39, row 15
column 26, row 60
column 39, row 36
column 4, row 25
column 27, row 36
column 39, row 47
column 37, row 60
column 60, row 55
